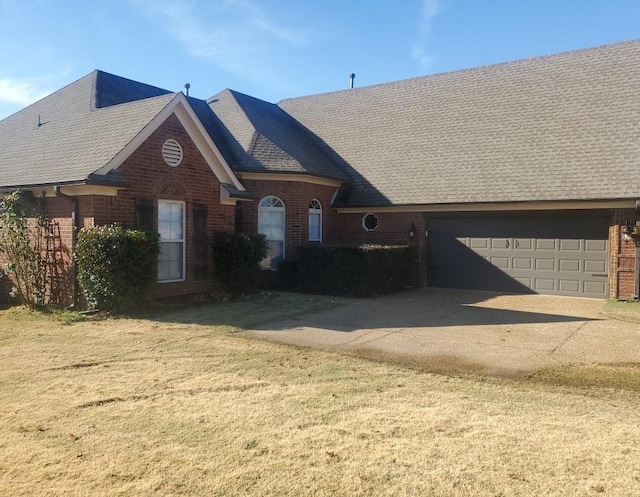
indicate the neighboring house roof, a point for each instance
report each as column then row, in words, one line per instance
column 554, row 128
column 263, row 138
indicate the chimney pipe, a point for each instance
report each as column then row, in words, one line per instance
column 352, row 76
column 186, row 87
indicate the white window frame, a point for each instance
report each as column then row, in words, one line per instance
column 263, row 207
column 180, row 240
column 364, row 219
column 315, row 209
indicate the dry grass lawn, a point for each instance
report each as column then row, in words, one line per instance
column 185, row 404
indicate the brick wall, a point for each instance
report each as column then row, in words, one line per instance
column 296, row 196
column 149, row 177
column 192, row 182
column 622, row 255
column 393, row 228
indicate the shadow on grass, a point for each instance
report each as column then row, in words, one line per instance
column 242, row 312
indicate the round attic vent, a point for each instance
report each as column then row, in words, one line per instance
column 172, row 153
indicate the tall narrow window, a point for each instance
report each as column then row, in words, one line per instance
column 315, row 221
column 171, row 261
column 271, row 223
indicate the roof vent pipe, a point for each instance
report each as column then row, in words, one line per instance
column 352, row 76
column 186, row 87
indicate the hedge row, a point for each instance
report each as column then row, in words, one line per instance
column 356, row 271
column 236, row 257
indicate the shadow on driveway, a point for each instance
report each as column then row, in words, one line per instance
column 441, row 308
column 469, row 331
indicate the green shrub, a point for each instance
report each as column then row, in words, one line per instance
column 287, row 274
column 357, row 271
column 236, row 257
column 115, row 265
column 23, row 232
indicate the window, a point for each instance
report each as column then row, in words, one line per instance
column 172, row 236
column 315, row 221
column 370, row 222
column 271, row 224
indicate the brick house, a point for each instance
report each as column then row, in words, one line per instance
column 516, row 177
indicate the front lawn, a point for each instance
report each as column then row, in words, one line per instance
column 184, row 403
column 624, row 310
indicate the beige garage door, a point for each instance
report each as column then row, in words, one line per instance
column 562, row 255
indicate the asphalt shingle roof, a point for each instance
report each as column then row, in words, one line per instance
column 65, row 138
column 559, row 127
column 263, row 138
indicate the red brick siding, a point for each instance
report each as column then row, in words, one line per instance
column 622, row 254
column 148, row 176
column 296, row 197
column 393, row 228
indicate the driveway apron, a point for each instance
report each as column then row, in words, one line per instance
column 466, row 331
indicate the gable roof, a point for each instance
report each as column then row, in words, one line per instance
column 64, row 138
column 261, row 137
column 82, row 133
column 553, row 128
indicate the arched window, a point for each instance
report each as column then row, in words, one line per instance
column 271, row 223
column 315, row 221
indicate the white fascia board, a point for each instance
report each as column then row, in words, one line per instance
column 205, row 144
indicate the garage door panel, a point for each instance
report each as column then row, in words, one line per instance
column 500, row 262
column 544, row 285
column 523, row 244
column 553, row 255
column 569, row 286
column 522, row 263
column 479, row 243
column 595, row 245
column 595, row 266
column 500, row 243
column 569, row 265
column 570, row 245
column 545, row 264
column 542, row 244
column 593, row 288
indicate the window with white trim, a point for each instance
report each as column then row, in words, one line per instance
column 315, row 221
column 171, row 224
column 271, row 223
column 370, row 222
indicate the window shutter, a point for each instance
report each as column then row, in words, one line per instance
column 200, row 242
column 144, row 213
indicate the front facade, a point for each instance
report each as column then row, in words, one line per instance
column 519, row 177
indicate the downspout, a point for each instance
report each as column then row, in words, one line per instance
column 636, row 286
column 74, row 231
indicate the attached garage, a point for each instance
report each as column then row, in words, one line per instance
column 550, row 254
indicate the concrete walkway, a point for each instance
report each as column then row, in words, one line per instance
column 466, row 331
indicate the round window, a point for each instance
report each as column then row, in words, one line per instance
column 370, row 222
column 172, row 153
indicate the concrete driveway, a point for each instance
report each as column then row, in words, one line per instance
column 466, row 331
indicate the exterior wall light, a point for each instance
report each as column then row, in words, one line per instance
column 412, row 231
column 629, row 232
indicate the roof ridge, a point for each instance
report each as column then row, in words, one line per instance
column 563, row 53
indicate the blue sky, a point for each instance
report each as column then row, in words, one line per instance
column 274, row 49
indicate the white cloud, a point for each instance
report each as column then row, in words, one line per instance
column 429, row 9
column 21, row 92
column 234, row 35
